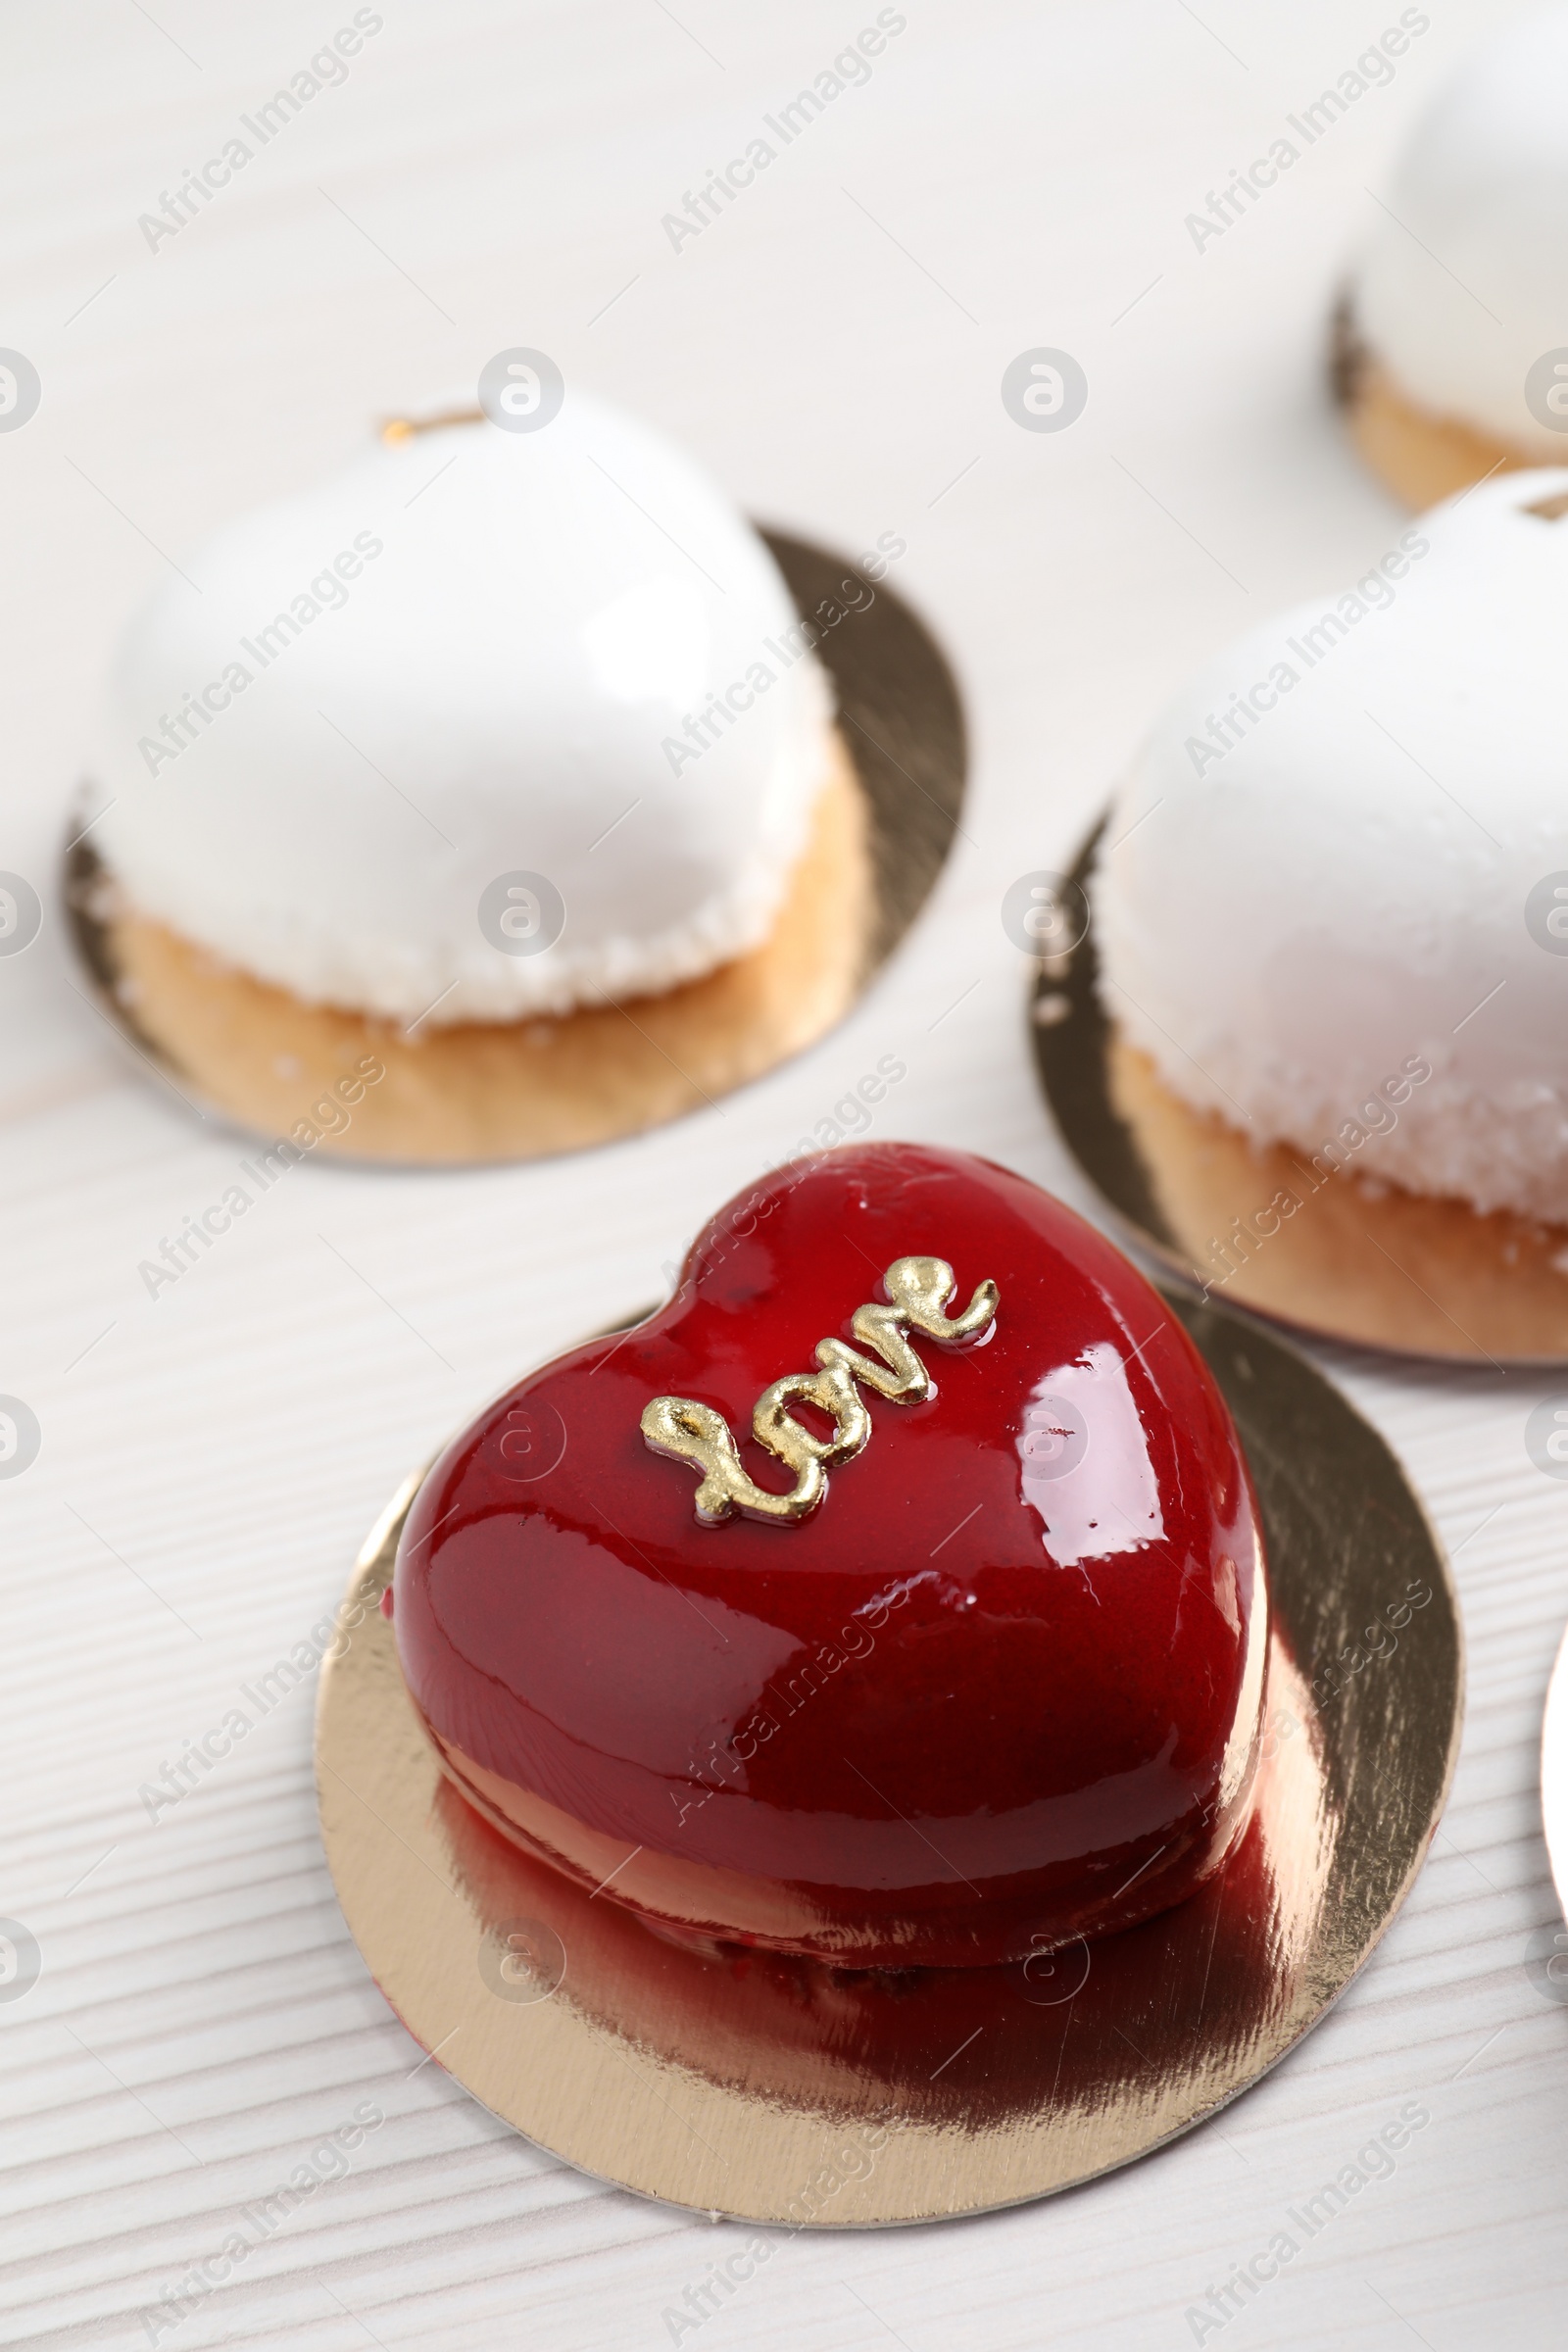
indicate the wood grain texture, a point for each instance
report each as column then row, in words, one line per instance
column 833, row 343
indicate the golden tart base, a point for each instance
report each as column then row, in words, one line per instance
column 1363, row 1259
column 1421, row 457
column 514, row 1090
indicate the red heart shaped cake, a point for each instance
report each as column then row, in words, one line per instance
column 895, row 1595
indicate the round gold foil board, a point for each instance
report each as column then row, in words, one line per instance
column 480, row 1090
column 1355, row 1260
column 784, row 2093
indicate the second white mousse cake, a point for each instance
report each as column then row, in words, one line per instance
column 475, row 655
column 1337, row 905
column 1459, row 299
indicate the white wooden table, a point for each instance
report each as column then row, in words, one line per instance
column 1008, row 176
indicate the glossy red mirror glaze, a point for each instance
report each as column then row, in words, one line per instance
column 1000, row 1690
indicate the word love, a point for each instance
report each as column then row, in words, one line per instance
column 918, row 1289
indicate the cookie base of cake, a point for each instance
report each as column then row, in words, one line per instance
column 477, row 1091
column 1421, row 458
column 1339, row 1253
column 1418, row 455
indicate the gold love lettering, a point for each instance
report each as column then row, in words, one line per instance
column 919, row 1289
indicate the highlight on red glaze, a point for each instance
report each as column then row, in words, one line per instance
column 1001, row 1690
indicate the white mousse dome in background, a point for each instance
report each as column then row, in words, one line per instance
column 1289, row 917
column 1465, row 287
column 494, row 690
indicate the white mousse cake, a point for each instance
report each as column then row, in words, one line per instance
column 1333, row 907
column 448, row 760
column 1459, row 298
column 473, row 653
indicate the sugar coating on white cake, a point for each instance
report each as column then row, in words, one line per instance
column 1343, row 858
column 473, row 654
column 1462, row 287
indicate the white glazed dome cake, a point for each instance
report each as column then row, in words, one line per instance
column 1326, row 923
column 493, row 687
column 492, row 728
column 1459, row 299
